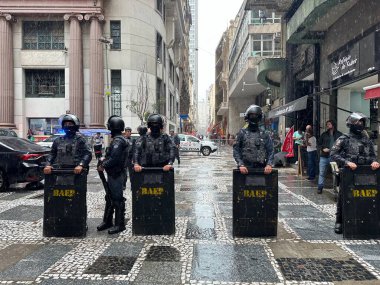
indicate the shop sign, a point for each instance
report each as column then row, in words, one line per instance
column 345, row 65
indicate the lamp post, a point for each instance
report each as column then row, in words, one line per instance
column 107, row 91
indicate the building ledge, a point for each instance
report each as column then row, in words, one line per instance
column 301, row 24
column 223, row 109
column 269, row 71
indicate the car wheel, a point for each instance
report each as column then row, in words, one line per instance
column 206, row 151
column 4, row 185
column 34, row 186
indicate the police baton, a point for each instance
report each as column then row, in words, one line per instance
column 105, row 183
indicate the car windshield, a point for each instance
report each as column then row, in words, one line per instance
column 19, row 144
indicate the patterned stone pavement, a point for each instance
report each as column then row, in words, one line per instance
column 202, row 250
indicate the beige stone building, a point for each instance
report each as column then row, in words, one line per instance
column 92, row 58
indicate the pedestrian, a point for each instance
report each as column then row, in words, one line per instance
column 351, row 150
column 311, row 148
column 156, row 149
column 114, row 164
column 325, row 143
column 177, row 142
column 128, row 164
column 70, row 150
column 98, row 141
column 30, row 135
column 298, row 137
column 253, row 148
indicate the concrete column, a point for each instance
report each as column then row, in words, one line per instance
column 6, row 72
column 76, row 93
column 96, row 72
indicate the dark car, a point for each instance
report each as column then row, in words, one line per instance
column 7, row 133
column 20, row 161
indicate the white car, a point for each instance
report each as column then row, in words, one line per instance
column 48, row 142
column 193, row 144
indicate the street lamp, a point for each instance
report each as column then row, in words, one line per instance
column 107, row 91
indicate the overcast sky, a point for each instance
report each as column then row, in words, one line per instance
column 214, row 17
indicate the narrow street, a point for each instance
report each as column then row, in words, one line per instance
column 202, row 251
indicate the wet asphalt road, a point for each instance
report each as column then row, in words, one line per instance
column 202, row 250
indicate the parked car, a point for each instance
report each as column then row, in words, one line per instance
column 193, row 144
column 8, row 133
column 48, row 142
column 21, row 161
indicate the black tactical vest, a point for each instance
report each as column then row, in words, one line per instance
column 358, row 150
column 253, row 148
column 67, row 152
column 156, row 151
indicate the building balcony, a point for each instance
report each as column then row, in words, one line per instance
column 270, row 70
column 223, row 109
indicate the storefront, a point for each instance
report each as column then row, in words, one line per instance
column 354, row 67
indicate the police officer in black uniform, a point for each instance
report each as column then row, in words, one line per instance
column 142, row 130
column 351, row 150
column 70, row 150
column 156, row 149
column 129, row 164
column 176, row 140
column 253, row 148
column 114, row 164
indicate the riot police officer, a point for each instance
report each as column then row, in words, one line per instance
column 142, row 130
column 70, row 150
column 351, row 150
column 114, row 164
column 253, row 147
column 155, row 149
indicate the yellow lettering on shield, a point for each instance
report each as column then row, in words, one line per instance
column 64, row 193
column 364, row 193
column 255, row 193
column 155, row 191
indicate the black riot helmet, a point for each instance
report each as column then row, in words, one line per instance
column 356, row 122
column 155, row 120
column 142, row 130
column 253, row 115
column 69, row 118
column 115, row 124
column 70, row 130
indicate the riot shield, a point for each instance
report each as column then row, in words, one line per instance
column 360, row 203
column 65, row 208
column 255, row 203
column 153, row 204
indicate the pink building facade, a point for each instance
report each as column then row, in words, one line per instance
column 59, row 56
column 23, row 48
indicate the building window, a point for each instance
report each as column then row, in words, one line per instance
column 261, row 17
column 115, row 34
column 116, row 92
column 40, row 127
column 44, row 83
column 160, row 6
column 265, row 45
column 159, row 52
column 45, row 35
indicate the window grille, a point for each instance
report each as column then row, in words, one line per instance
column 116, row 92
column 46, row 35
column 44, row 83
column 115, row 34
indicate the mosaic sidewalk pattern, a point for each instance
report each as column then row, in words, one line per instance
column 202, row 250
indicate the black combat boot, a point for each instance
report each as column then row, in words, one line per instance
column 107, row 217
column 119, row 218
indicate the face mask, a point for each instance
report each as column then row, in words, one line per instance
column 357, row 129
column 155, row 131
column 70, row 130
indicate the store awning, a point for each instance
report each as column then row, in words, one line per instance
column 296, row 105
column 372, row 92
